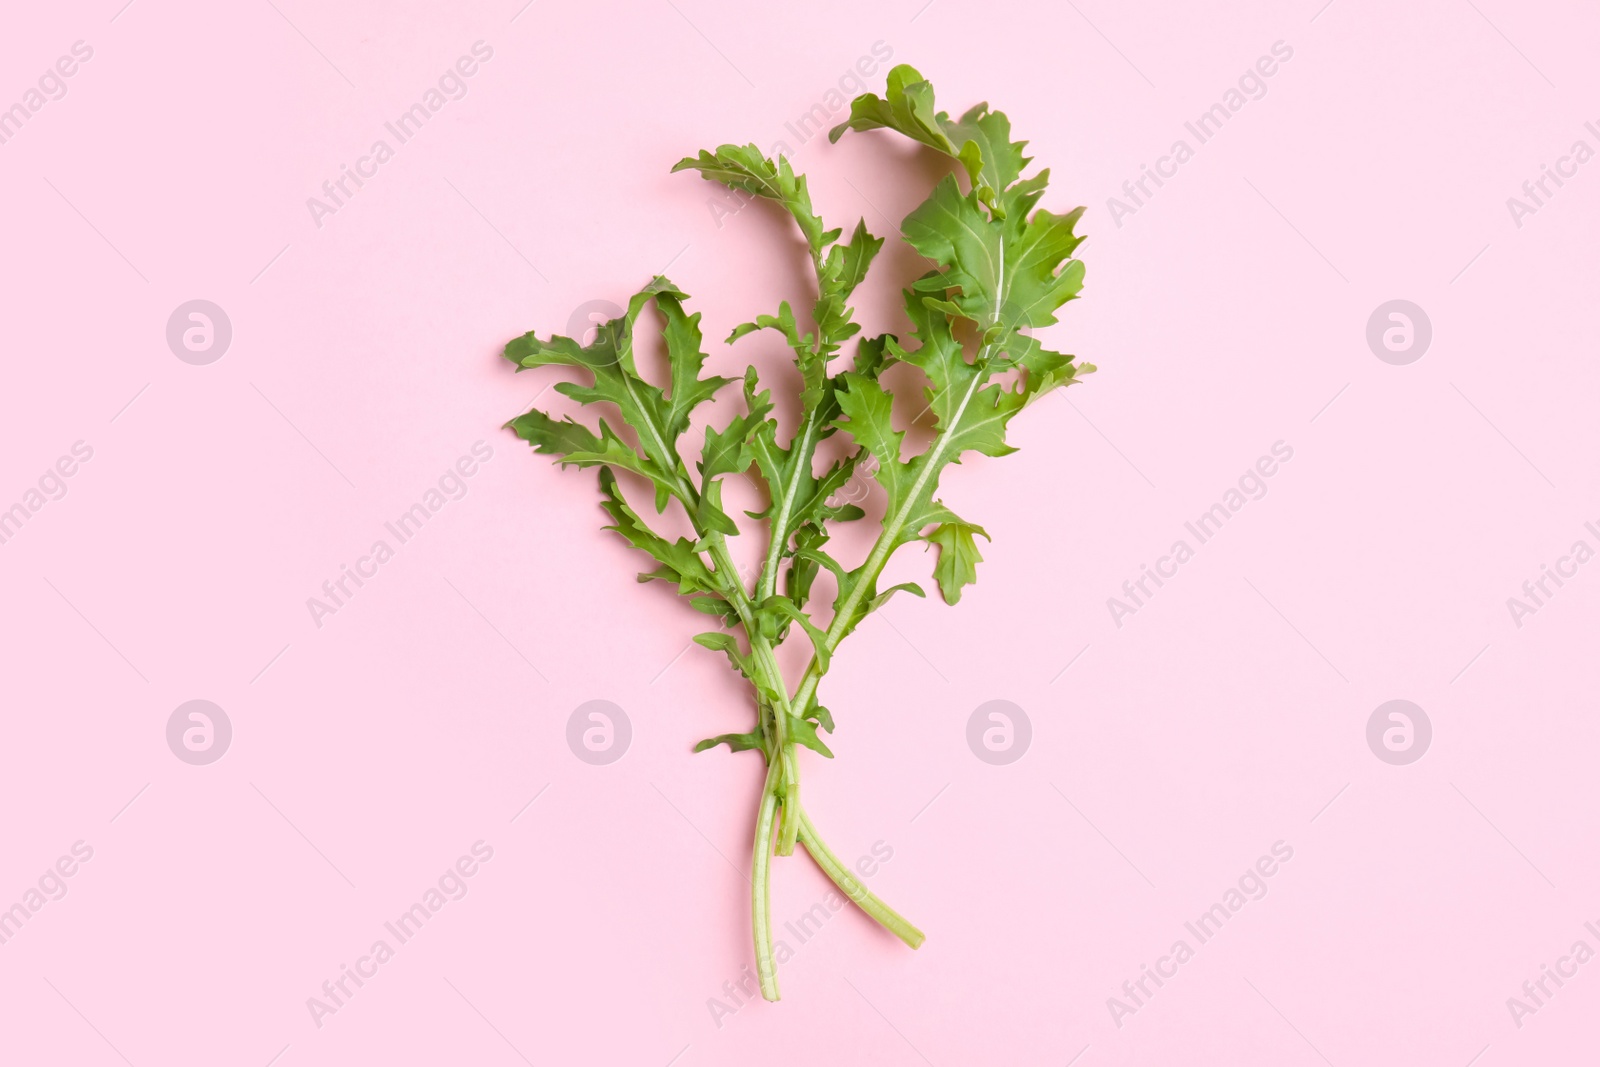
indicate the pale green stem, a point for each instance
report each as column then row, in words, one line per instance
column 788, row 785
column 761, row 890
column 777, row 542
column 888, row 541
column 853, row 888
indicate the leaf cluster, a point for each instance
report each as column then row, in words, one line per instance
column 1003, row 267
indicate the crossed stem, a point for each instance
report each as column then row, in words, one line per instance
column 780, row 794
column 781, row 791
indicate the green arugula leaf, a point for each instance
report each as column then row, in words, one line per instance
column 840, row 272
column 715, row 604
column 782, row 606
column 1011, row 274
column 722, row 641
column 684, row 356
column 808, row 560
column 804, row 732
column 735, row 742
column 730, row 450
column 1045, row 370
column 679, row 562
column 980, row 141
column 812, row 364
column 743, row 167
column 907, row 106
column 868, row 410
column 883, row 598
column 821, row 716
column 1000, row 159
column 551, row 437
column 958, row 557
column 658, row 418
column 577, row 447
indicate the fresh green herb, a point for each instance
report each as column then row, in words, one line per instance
column 1004, row 268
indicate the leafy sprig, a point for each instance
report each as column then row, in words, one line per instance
column 1003, row 267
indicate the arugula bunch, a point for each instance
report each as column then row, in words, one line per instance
column 1003, row 267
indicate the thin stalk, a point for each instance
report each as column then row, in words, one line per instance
column 889, row 536
column 788, row 785
column 783, row 772
column 789, row 828
column 804, row 446
column 724, row 567
column 761, row 889
column 853, row 888
column 882, row 549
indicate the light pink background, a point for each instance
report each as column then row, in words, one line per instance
column 368, row 754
